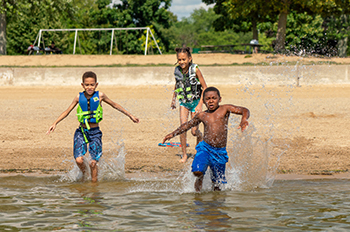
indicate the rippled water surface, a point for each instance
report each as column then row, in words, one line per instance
column 155, row 204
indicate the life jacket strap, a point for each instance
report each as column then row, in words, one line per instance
column 87, row 124
column 178, row 90
column 83, row 131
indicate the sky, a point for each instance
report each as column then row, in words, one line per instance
column 184, row 8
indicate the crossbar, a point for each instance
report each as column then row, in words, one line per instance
column 76, row 30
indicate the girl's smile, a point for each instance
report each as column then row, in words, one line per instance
column 184, row 61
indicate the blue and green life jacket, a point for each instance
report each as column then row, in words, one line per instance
column 89, row 110
column 188, row 87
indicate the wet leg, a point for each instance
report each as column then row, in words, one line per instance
column 183, row 147
column 199, row 181
column 183, row 137
column 94, row 170
column 81, row 165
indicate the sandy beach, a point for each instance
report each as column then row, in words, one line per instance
column 306, row 127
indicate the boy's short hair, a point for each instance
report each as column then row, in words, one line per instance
column 211, row 88
column 89, row 74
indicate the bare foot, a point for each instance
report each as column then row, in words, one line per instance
column 183, row 159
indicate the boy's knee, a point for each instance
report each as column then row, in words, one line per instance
column 80, row 160
column 198, row 174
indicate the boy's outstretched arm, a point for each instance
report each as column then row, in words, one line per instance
column 118, row 107
column 241, row 111
column 64, row 114
column 183, row 128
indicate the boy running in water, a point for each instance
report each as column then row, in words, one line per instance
column 89, row 114
column 212, row 151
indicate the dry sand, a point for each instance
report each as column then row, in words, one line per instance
column 308, row 124
column 201, row 59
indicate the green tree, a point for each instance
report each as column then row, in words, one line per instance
column 252, row 11
column 2, row 27
column 187, row 31
column 261, row 11
column 141, row 13
column 313, row 8
column 198, row 29
column 25, row 18
column 339, row 29
column 241, row 15
column 304, row 32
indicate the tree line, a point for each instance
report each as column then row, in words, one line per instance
column 283, row 26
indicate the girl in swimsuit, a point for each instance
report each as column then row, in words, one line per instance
column 194, row 104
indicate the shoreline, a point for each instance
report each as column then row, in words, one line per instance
column 165, row 175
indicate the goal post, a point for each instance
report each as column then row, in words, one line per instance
column 40, row 35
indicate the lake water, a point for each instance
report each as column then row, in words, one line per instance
column 166, row 203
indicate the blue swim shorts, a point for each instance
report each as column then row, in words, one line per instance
column 215, row 158
column 191, row 106
column 94, row 136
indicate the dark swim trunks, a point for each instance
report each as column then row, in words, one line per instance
column 94, row 136
column 215, row 158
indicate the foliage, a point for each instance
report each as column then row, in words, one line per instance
column 312, row 34
column 339, row 29
column 22, row 27
column 313, row 26
column 303, row 31
column 198, row 30
column 26, row 17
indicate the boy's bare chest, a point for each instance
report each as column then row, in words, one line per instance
column 215, row 118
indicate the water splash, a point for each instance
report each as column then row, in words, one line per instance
column 109, row 168
column 254, row 158
column 248, row 166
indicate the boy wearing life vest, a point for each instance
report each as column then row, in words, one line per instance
column 189, row 85
column 89, row 114
column 211, row 152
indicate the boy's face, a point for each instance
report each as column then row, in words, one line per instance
column 211, row 100
column 89, row 85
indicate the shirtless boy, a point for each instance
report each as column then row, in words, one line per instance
column 89, row 114
column 212, row 151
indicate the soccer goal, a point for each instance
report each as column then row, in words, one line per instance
column 40, row 37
